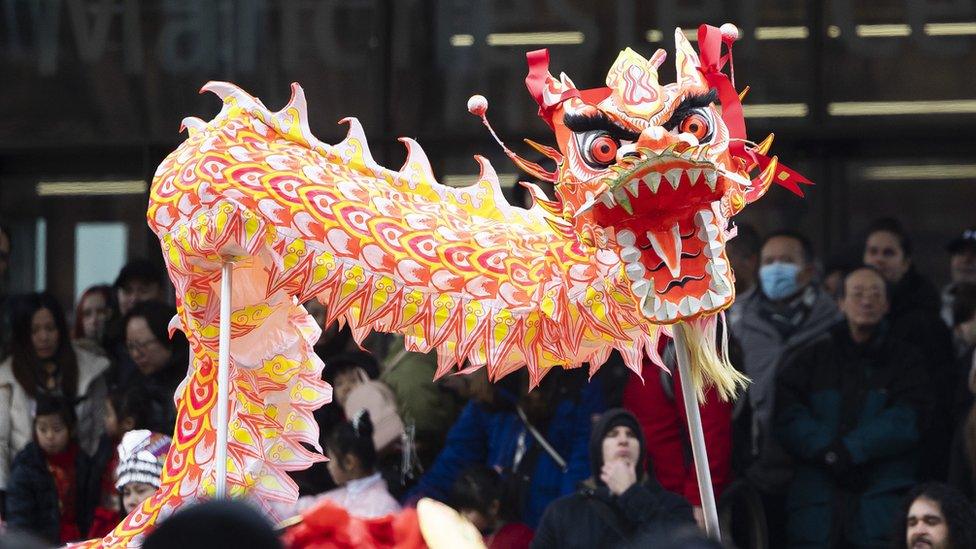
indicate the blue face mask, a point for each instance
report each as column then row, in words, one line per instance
column 778, row 280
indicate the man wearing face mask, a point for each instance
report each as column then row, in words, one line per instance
column 788, row 311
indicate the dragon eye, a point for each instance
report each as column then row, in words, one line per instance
column 696, row 124
column 598, row 149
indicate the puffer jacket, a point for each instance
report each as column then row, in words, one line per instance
column 872, row 401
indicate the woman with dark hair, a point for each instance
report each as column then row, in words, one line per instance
column 161, row 362
column 914, row 317
column 935, row 515
column 43, row 362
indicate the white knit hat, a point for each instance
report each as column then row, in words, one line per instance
column 142, row 454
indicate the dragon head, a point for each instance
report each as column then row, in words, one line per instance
column 654, row 172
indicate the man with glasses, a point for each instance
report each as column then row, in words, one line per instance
column 851, row 407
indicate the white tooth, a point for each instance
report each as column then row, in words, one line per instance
column 649, row 305
column 626, row 237
column 693, row 175
column 721, row 266
column 675, row 254
column 620, row 195
column 653, row 181
column 706, row 301
column 635, row 271
column 674, row 177
column 590, row 202
column 708, row 233
column 704, row 217
column 712, row 249
column 714, row 300
column 660, row 314
column 633, row 187
column 710, row 178
column 607, row 200
column 670, row 310
column 641, row 287
column 629, row 254
column 720, row 286
column 688, row 306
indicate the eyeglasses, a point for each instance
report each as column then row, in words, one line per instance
column 141, row 346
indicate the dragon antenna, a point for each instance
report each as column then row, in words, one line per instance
column 478, row 106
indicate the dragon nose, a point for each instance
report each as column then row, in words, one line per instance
column 656, row 138
column 627, row 151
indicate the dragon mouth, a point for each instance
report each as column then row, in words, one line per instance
column 671, row 237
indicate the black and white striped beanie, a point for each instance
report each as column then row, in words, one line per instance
column 142, row 454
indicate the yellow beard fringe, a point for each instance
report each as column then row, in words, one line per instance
column 710, row 365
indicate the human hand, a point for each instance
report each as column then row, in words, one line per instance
column 699, row 514
column 618, row 475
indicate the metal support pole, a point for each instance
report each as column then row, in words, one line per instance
column 697, row 436
column 223, row 378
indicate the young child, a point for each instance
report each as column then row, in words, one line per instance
column 479, row 496
column 352, row 464
column 47, row 494
column 125, row 410
column 142, row 455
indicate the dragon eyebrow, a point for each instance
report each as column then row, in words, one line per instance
column 579, row 123
column 688, row 104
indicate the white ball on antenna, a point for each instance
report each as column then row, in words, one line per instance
column 477, row 105
column 729, row 32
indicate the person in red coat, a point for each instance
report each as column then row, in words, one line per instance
column 660, row 410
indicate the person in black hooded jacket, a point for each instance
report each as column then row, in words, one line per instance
column 620, row 501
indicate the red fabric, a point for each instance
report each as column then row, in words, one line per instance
column 537, row 80
column 62, row 468
column 513, row 535
column 103, row 522
column 665, row 427
column 712, row 61
column 329, row 526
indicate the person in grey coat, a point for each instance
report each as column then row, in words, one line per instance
column 788, row 311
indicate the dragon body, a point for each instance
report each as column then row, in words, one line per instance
column 633, row 244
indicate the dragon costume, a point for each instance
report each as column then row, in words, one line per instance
column 633, row 243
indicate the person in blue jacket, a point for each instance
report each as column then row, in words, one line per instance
column 538, row 440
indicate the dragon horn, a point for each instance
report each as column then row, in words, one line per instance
column 763, row 148
column 743, row 93
column 550, row 152
column 478, row 106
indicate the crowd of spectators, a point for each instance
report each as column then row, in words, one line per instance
column 858, row 428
